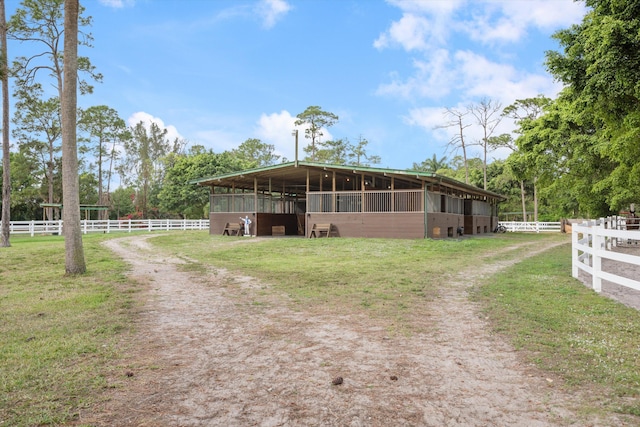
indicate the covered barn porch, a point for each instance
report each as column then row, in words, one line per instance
column 290, row 198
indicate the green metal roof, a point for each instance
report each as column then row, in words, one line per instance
column 297, row 172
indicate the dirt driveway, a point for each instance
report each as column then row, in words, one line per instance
column 207, row 352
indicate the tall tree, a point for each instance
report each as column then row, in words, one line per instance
column 314, row 118
column 358, row 154
column 41, row 23
column 523, row 112
column 6, row 162
column 600, row 67
column 257, row 153
column 488, row 117
column 456, row 119
column 105, row 129
column 143, row 165
column 74, row 251
column 38, row 131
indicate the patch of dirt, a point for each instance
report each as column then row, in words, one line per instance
column 215, row 350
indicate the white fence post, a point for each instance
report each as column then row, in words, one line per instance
column 574, row 253
column 597, row 244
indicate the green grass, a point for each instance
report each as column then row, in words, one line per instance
column 385, row 278
column 567, row 329
column 58, row 333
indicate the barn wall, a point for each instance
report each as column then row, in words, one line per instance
column 218, row 220
column 261, row 222
column 387, row 225
column 441, row 225
column 477, row 224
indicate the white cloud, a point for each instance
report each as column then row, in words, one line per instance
column 411, row 32
column 271, row 11
column 277, row 129
column 433, row 78
column 481, row 77
column 147, row 119
column 509, row 21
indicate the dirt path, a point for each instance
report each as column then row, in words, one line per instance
column 208, row 353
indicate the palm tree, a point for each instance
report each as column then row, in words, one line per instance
column 432, row 165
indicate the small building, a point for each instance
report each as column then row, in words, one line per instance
column 290, row 198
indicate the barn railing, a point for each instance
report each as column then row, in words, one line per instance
column 366, row 201
column 593, row 241
column 34, row 228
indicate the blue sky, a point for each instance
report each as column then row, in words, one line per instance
column 218, row 72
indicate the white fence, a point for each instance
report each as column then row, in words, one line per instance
column 92, row 226
column 536, row 227
column 593, row 241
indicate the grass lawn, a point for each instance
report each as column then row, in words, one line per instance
column 60, row 334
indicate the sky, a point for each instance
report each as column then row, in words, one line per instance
column 218, row 72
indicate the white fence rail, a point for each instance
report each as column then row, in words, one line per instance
column 593, row 241
column 34, row 228
column 536, row 227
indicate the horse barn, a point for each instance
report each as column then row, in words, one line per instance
column 305, row 199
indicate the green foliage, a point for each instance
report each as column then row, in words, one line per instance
column 105, row 129
column 41, row 23
column 180, row 196
column 26, row 194
column 121, row 202
column 431, row 165
column 314, row 118
column 600, row 67
column 256, row 153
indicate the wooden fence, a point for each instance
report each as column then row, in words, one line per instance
column 34, row 228
column 593, row 241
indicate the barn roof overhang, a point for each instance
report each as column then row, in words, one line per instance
column 291, row 178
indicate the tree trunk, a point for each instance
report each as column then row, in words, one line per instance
column 535, row 199
column 524, row 204
column 6, row 164
column 74, row 251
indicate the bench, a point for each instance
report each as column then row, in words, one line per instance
column 318, row 229
column 232, row 228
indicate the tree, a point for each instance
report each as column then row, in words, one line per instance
column 143, row 165
column 487, row 115
column 180, row 196
column 121, row 202
column 359, row 156
column 432, row 165
column 523, row 112
column 257, row 153
column 38, row 131
column 74, row 251
column 600, row 68
column 335, row 152
column 41, row 23
column 25, row 188
column 103, row 126
column 6, row 161
column 315, row 119
column 456, row 120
